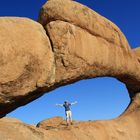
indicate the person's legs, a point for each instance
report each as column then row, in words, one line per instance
column 67, row 117
column 70, row 116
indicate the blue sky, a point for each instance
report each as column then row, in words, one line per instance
column 100, row 98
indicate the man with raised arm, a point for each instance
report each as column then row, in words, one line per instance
column 68, row 112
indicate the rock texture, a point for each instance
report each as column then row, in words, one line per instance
column 103, row 49
column 79, row 55
column 32, row 63
column 84, row 50
column 137, row 52
column 26, row 61
column 56, row 128
column 52, row 123
column 11, row 129
column 82, row 16
column 116, row 129
column 78, row 44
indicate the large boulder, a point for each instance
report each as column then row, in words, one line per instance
column 26, row 61
column 80, row 15
column 51, row 123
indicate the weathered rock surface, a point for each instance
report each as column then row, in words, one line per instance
column 137, row 52
column 56, row 128
column 99, row 48
column 26, row 61
column 11, row 129
column 116, row 129
column 29, row 66
column 51, row 123
column 79, row 54
column 82, row 16
column 81, row 44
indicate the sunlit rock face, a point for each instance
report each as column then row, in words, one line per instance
column 137, row 52
column 13, row 129
column 55, row 128
column 26, row 61
column 76, row 43
column 86, row 44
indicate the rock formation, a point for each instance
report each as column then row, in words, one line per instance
column 26, row 61
column 137, row 52
column 11, row 129
column 52, row 123
column 118, row 129
column 76, row 43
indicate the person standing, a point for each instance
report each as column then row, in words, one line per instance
column 68, row 112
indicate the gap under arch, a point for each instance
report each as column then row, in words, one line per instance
column 98, row 99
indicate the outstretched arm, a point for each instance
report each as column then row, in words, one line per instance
column 59, row 104
column 74, row 103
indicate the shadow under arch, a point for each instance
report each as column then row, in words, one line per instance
column 101, row 98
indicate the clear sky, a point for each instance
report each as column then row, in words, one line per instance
column 100, row 98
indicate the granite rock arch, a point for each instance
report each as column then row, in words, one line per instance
column 75, row 48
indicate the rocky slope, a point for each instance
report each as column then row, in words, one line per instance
column 76, row 43
column 55, row 129
column 12, row 129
